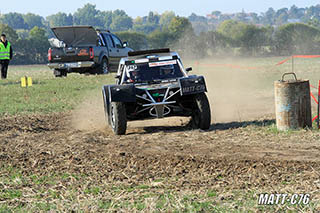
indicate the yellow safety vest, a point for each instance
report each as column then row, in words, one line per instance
column 5, row 51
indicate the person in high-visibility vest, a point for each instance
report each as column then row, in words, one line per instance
column 5, row 55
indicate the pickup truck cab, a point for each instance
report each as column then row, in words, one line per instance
column 83, row 49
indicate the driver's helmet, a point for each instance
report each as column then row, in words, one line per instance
column 134, row 75
column 167, row 70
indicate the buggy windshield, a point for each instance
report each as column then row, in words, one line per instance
column 153, row 71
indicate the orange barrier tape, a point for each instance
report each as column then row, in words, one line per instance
column 313, row 87
column 226, row 65
column 298, row 56
column 306, row 56
column 314, row 98
column 284, row 61
column 252, row 68
column 315, row 118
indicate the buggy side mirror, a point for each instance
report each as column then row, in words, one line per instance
column 189, row 69
column 125, row 44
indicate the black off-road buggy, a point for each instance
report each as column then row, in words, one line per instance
column 154, row 84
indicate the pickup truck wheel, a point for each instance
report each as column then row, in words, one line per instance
column 57, row 73
column 104, row 67
column 60, row 73
column 118, row 118
column 201, row 116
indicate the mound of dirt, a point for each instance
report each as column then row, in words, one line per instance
column 33, row 123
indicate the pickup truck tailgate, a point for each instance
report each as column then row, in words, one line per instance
column 70, row 54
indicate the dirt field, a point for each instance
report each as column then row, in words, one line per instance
column 232, row 156
column 241, row 156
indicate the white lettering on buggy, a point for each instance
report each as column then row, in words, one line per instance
column 193, row 88
column 132, row 67
column 162, row 63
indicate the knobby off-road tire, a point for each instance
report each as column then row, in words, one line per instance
column 105, row 104
column 201, row 117
column 103, row 67
column 118, row 118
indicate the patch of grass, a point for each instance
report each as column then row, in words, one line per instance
column 212, row 193
column 5, row 209
column 92, row 190
column 273, row 129
column 142, row 187
column 161, row 202
column 219, row 177
column 201, row 206
column 10, row 194
column 76, row 176
column 48, row 94
column 65, row 176
column 130, row 189
column 39, row 180
column 44, row 207
column 98, row 197
column 54, row 194
column 140, row 206
column 105, row 204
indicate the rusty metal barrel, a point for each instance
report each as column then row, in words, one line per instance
column 292, row 103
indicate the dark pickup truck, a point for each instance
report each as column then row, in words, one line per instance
column 83, row 49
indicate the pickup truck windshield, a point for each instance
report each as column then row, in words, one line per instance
column 153, row 71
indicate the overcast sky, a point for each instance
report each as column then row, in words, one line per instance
column 142, row 7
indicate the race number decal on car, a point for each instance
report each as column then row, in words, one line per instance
column 192, row 85
column 191, row 89
column 132, row 67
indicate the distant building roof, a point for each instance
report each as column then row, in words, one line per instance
column 293, row 20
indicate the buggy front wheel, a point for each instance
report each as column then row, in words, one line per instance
column 201, row 116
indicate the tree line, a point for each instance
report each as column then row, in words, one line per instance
column 275, row 18
column 239, row 34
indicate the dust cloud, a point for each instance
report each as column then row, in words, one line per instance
column 89, row 115
column 237, row 90
column 237, row 94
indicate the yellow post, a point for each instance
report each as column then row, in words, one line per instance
column 24, row 82
column 29, row 82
